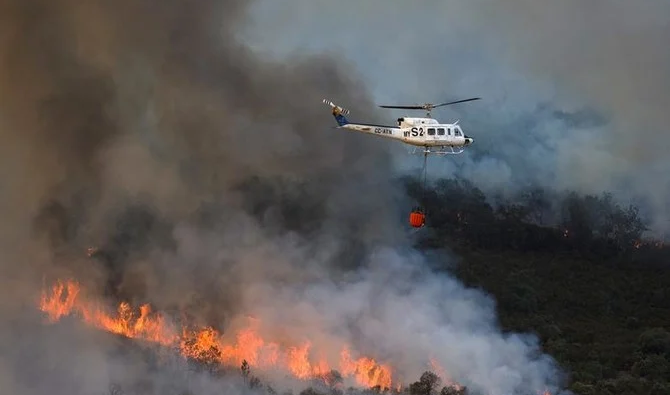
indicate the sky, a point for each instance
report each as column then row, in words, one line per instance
column 575, row 95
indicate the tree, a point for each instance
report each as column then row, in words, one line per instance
column 655, row 341
column 627, row 227
column 245, row 369
column 333, row 378
column 427, row 384
column 537, row 204
column 449, row 390
column 653, row 367
column 576, row 219
column 583, row 389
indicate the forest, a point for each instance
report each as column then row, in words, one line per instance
column 573, row 269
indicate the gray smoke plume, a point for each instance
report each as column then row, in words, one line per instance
column 575, row 95
column 211, row 182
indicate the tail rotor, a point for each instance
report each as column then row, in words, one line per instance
column 336, row 109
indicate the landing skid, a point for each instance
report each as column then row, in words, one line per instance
column 444, row 150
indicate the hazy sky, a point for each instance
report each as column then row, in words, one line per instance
column 575, row 95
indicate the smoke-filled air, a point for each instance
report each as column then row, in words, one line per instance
column 180, row 216
column 575, row 95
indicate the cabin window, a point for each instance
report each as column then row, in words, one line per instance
column 449, row 131
column 440, row 131
column 431, row 131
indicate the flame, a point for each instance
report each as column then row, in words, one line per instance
column 63, row 303
column 207, row 344
column 365, row 370
column 442, row 374
column 649, row 243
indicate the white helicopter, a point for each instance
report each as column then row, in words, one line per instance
column 444, row 138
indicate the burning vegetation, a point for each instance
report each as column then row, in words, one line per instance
column 246, row 348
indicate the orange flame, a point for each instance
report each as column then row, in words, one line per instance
column 207, row 344
column 442, row 374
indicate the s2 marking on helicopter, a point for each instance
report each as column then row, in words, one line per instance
column 414, row 132
column 417, row 132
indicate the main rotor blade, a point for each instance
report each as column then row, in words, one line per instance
column 456, row 102
column 430, row 106
column 405, row 107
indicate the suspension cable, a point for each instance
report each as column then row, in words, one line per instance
column 425, row 171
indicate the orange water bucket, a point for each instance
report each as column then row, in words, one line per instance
column 417, row 219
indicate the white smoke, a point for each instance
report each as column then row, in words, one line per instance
column 575, row 94
column 393, row 308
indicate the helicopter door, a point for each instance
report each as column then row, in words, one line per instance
column 431, row 134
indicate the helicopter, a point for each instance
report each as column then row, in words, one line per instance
column 435, row 137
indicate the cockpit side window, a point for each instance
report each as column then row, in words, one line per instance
column 440, row 131
column 431, row 131
column 457, row 132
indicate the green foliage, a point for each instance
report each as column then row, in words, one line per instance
column 653, row 367
column 591, row 226
column 586, row 286
column 593, row 317
column 655, row 341
column 583, row 389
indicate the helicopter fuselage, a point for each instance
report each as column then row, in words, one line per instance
column 420, row 132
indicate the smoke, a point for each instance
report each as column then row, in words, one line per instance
column 406, row 315
column 211, row 182
column 575, row 95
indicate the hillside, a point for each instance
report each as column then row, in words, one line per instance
column 573, row 269
column 595, row 293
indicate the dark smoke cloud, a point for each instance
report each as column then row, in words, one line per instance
column 575, row 95
column 210, row 180
column 103, row 106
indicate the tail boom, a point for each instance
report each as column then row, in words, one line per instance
column 377, row 130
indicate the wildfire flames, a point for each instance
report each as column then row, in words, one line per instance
column 207, row 344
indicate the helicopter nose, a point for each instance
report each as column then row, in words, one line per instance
column 469, row 140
